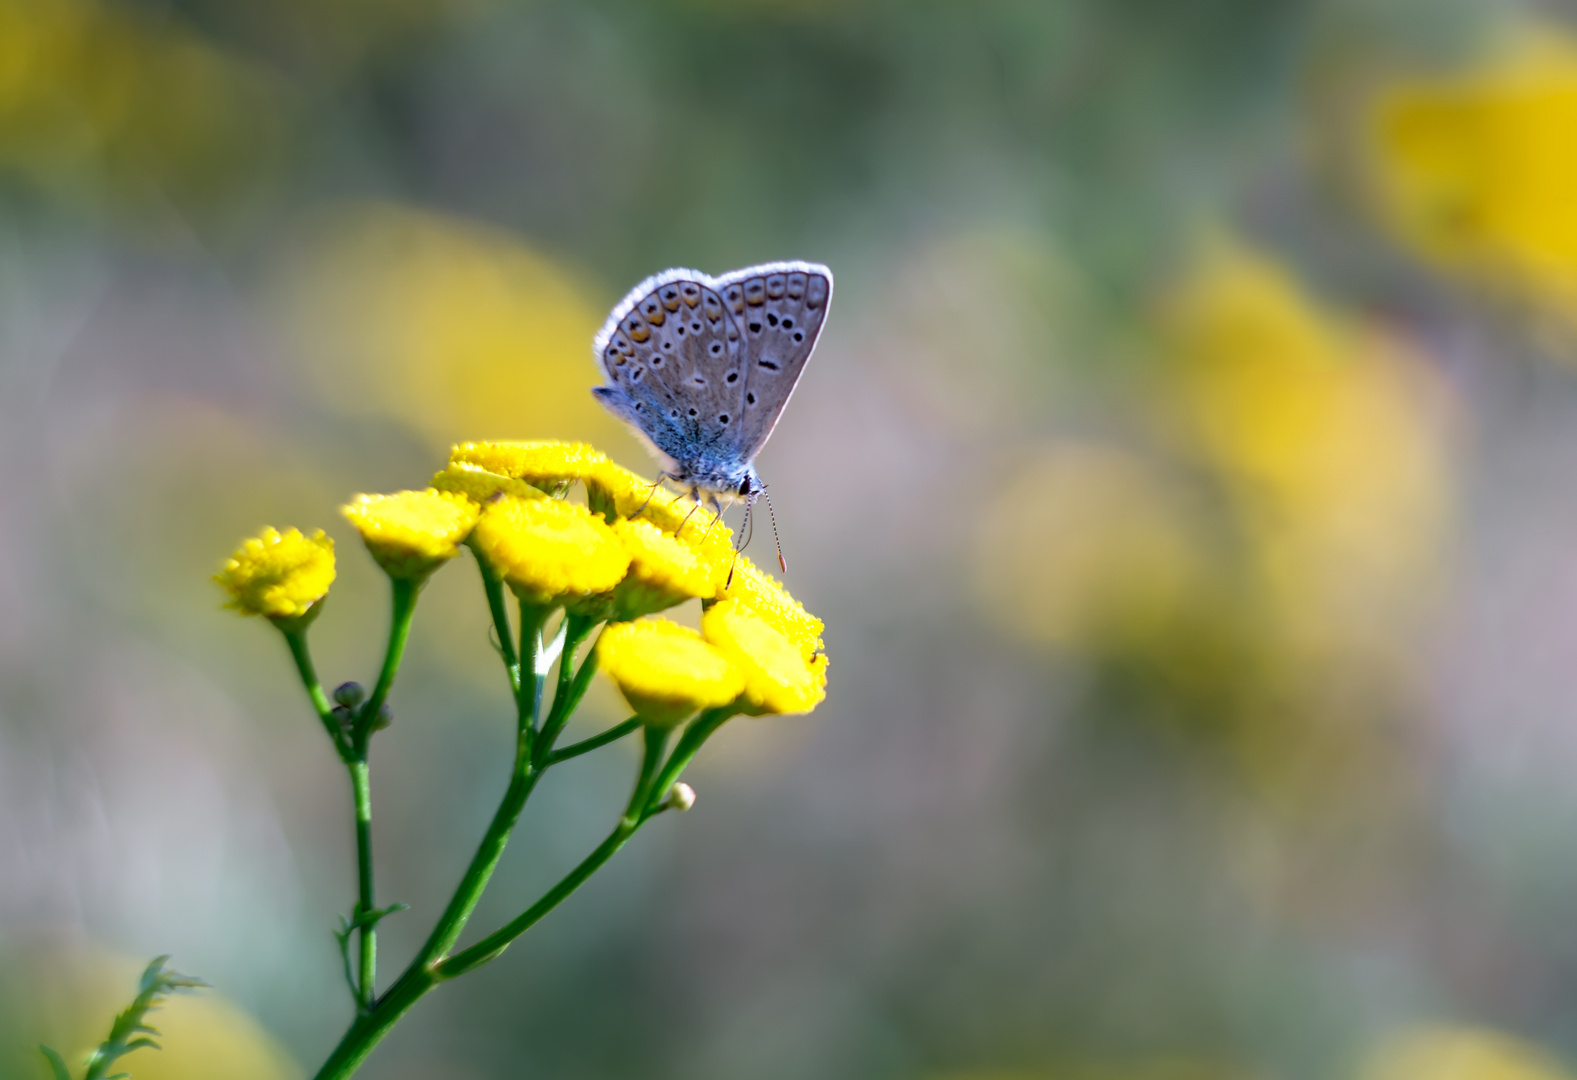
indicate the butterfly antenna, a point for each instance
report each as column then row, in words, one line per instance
column 782, row 563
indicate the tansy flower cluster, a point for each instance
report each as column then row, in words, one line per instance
column 628, row 552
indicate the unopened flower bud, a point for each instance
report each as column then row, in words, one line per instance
column 350, row 694
column 384, row 718
column 680, row 797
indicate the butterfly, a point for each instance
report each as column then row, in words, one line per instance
column 701, row 368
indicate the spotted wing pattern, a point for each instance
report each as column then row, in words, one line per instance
column 677, row 360
column 780, row 308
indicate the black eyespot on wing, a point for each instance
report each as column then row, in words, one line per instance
column 772, row 320
column 755, row 328
column 766, row 362
column 700, row 380
column 717, row 348
column 674, row 413
column 657, row 361
column 799, row 335
column 694, row 411
column 788, row 324
column 750, row 399
column 731, row 377
column 722, row 418
column 680, row 328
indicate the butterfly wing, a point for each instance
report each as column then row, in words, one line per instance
column 675, row 364
column 779, row 309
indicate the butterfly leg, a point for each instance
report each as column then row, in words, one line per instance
column 695, row 494
column 650, row 495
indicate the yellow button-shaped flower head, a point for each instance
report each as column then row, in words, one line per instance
column 666, row 671
column 279, row 574
column 764, row 595
column 412, row 533
column 664, row 571
column 480, row 486
column 549, row 551
column 551, row 466
column 614, row 491
column 778, row 678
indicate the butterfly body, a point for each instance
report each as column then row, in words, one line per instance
column 701, row 368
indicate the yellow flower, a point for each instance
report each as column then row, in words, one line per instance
column 664, row 571
column 412, row 533
column 550, row 551
column 666, row 671
column 614, row 491
column 548, row 465
column 762, row 593
column 778, row 678
column 1475, row 170
column 479, row 485
column 280, row 575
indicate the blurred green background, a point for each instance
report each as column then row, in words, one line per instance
column 1185, row 476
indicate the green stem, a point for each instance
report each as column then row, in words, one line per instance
column 369, row 1028
column 572, row 684
column 361, row 788
column 700, row 729
column 404, row 595
column 496, row 942
column 528, row 703
column 297, row 640
column 500, row 609
column 585, row 746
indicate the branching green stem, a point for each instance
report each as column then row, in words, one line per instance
column 500, row 611
column 499, row 940
column 585, row 746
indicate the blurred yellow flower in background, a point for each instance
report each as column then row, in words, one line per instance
column 1475, row 170
column 1328, row 440
column 778, row 677
column 550, row 551
column 411, row 533
column 666, row 671
column 1084, row 544
column 452, row 328
column 1459, row 1053
column 72, row 995
column 280, row 575
column 104, row 103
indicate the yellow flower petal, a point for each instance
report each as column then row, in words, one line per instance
column 550, row 551
column 280, row 575
column 412, row 533
column 778, row 678
column 666, row 671
column 480, row 486
column 763, row 594
column 614, row 491
column 664, row 571
column 548, row 465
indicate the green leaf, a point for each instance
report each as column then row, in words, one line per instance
column 56, row 1065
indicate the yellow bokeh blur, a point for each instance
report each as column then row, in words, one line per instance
column 74, row 994
column 1475, row 170
column 1459, row 1053
column 454, row 329
column 1328, row 440
column 1085, row 543
column 105, row 103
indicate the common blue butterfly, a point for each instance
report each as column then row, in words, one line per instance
column 701, row 368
